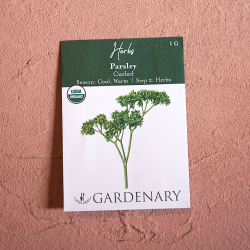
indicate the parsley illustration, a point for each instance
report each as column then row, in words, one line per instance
column 137, row 105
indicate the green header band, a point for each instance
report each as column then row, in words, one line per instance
column 115, row 62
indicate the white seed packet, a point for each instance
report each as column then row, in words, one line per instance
column 124, row 124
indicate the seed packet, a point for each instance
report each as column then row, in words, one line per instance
column 124, row 124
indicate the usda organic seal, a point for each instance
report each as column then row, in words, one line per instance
column 76, row 94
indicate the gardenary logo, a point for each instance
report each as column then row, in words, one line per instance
column 81, row 200
column 76, row 94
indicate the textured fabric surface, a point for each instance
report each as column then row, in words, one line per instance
column 216, row 46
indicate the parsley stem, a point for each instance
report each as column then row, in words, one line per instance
column 126, row 175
